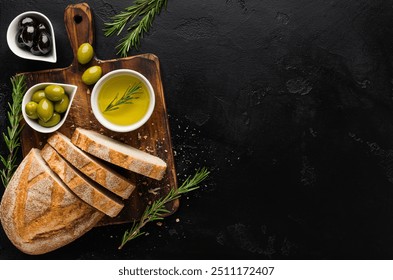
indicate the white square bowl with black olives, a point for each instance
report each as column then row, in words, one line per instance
column 30, row 35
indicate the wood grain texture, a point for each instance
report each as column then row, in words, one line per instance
column 154, row 137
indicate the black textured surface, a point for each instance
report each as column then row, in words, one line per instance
column 289, row 103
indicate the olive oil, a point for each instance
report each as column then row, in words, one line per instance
column 126, row 114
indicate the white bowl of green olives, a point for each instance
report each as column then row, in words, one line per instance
column 45, row 106
column 30, row 35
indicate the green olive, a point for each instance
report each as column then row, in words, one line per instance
column 54, row 92
column 62, row 105
column 45, row 109
column 31, row 110
column 38, row 95
column 55, row 119
column 85, row 53
column 92, row 75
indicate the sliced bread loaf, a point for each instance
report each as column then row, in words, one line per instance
column 39, row 213
column 91, row 167
column 87, row 190
column 119, row 153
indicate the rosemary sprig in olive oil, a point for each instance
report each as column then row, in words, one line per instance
column 11, row 138
column 140, row 16
column 126, row 98
column 157, row 210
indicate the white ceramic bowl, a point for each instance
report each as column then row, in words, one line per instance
column 23, row 53
column 98, row 114
column 69, row 89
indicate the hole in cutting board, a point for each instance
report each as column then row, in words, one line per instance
column 78, row 19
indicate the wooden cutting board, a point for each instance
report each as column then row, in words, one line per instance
column 153, row 137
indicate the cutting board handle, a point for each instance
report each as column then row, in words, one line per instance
column 79, row 24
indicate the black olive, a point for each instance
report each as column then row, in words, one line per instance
column 44, row 42
column 19, row 40
column 28, row 35
column 42, row 27
column 27, row 21
column 35, row 50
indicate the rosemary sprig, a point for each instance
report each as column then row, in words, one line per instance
column 140, row 16
column 157, row 210
column 11, row 139
column 126, row 98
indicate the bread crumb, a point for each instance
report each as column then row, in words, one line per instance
column 154, row 191
column 159, row 224
column 177, row 220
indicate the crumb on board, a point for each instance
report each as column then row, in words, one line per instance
column 154, row 191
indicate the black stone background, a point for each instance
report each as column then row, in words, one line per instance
column 288, row 103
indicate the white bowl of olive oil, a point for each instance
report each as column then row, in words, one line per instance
column 123, row 100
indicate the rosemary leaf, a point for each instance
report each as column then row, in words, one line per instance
column 3, row 161
column 11, row 139
column 140, row 16
column 157, row 210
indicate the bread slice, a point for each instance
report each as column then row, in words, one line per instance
column 119, row 153
column 91, row 167
column 39, row 213
column 86, row 189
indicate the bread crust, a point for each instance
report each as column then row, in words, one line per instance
column 150, row 166
column 85, row 189
column 39, row 213
column 91, row 167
